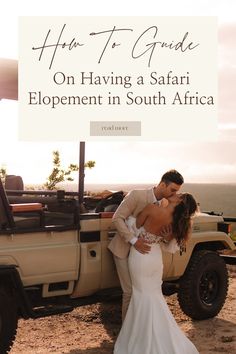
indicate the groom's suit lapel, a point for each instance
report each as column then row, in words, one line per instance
column 150, row 196
column 143, row 197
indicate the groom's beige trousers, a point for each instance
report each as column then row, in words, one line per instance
column 125, row 282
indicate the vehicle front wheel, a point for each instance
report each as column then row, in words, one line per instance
column 204, row 285
column 8, row 320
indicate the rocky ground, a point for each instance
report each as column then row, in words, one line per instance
column 93, row 329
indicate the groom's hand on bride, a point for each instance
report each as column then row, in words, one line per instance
column 166, row 232
column 142, row 246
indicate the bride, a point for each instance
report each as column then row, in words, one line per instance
column 149, row 327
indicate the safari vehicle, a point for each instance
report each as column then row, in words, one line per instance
column 53, row 257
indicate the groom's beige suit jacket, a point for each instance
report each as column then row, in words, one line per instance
column 134, row 202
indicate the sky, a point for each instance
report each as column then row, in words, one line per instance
column 142, row 162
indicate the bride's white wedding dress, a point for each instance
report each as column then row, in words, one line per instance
column 149, row 326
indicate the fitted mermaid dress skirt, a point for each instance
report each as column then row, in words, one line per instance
column 149, row 326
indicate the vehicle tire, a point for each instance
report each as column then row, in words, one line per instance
column 204, row 285
column 8, row 320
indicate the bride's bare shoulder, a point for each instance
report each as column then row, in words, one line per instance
column 159, row 212
column 156, row 209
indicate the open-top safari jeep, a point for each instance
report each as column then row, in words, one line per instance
column 53, row 257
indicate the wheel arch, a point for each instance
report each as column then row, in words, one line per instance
column 181, row 265
column 11, row 281
column 210, row 246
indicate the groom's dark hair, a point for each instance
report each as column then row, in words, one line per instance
column 172, row 176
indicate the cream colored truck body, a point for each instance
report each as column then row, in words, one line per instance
column 82, row 259
column 55, row 268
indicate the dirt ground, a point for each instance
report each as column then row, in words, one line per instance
column 93, row 329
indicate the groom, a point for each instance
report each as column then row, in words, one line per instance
column 133, row 204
